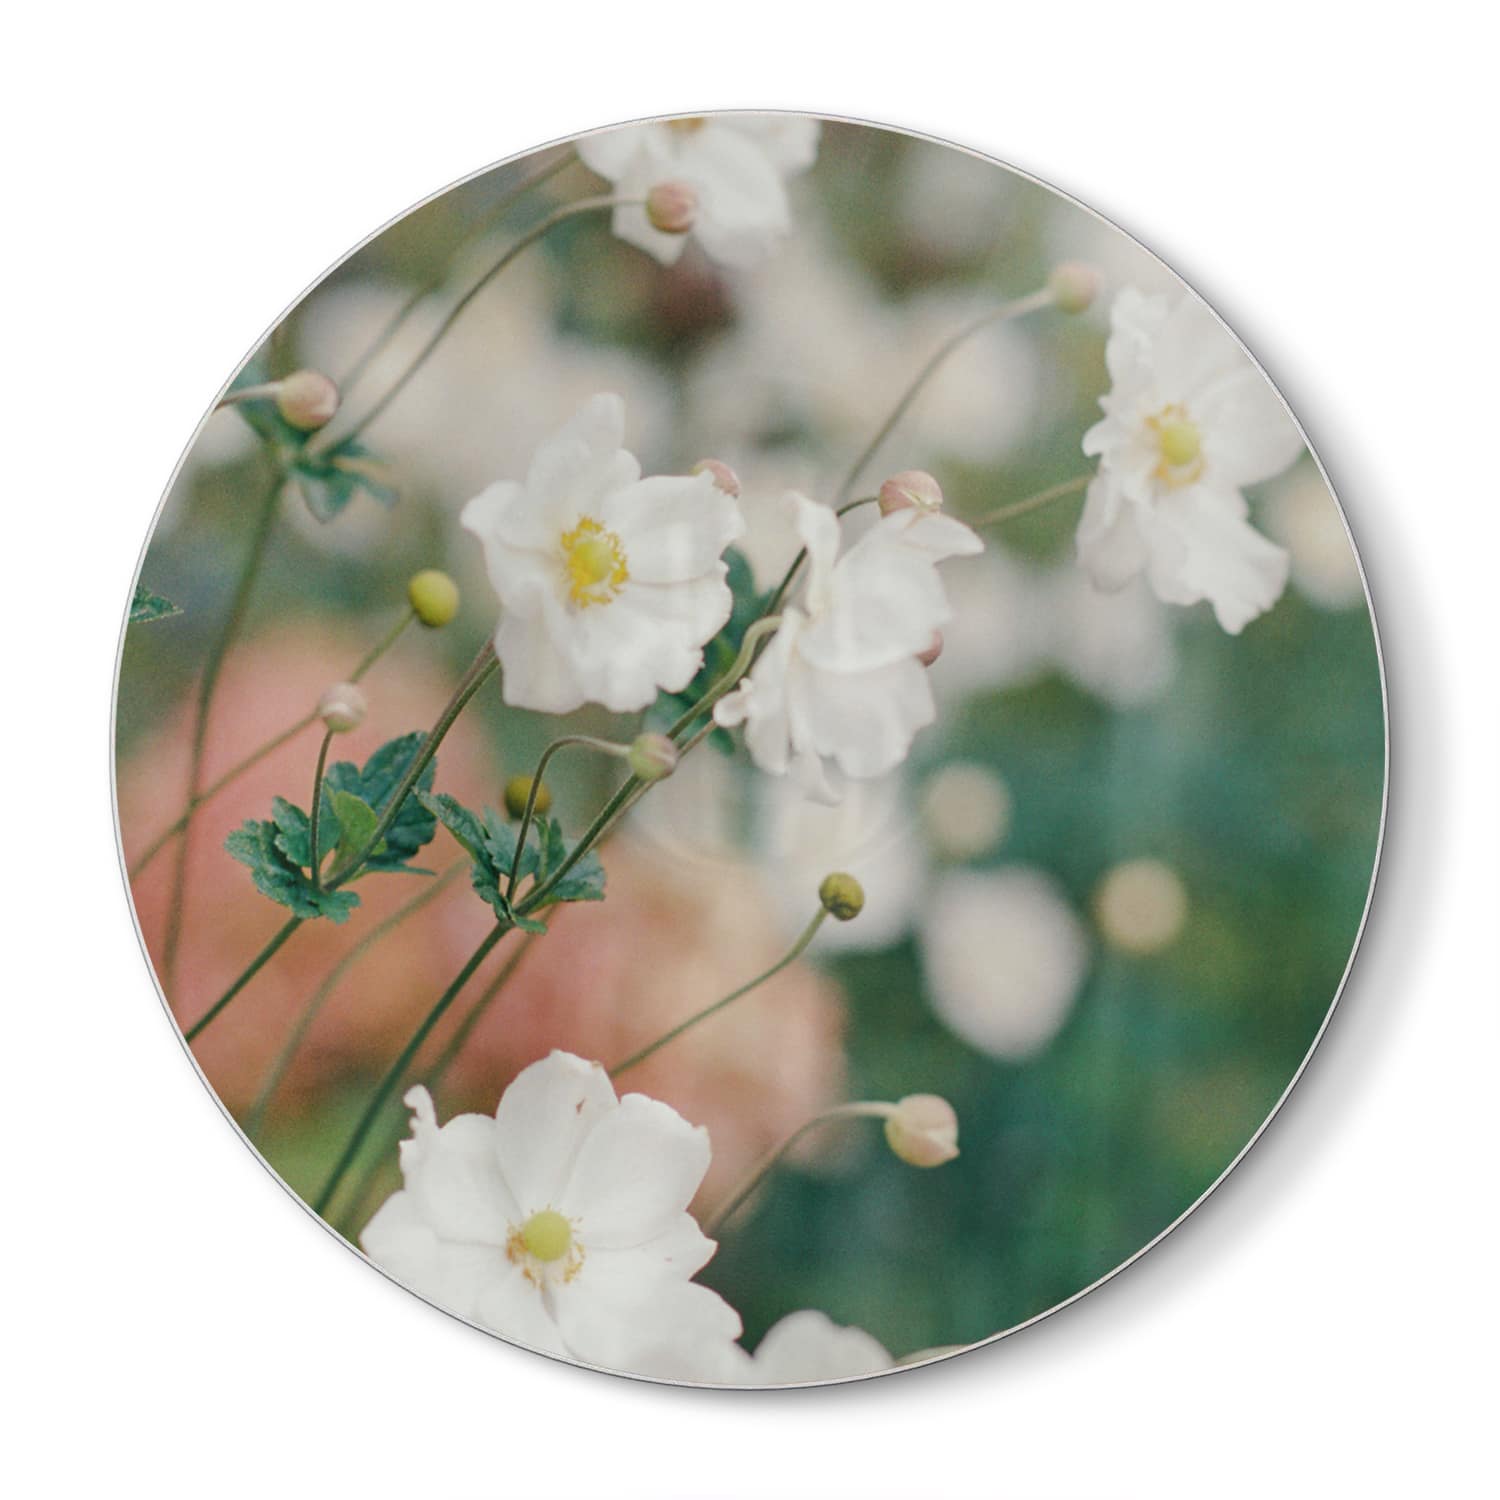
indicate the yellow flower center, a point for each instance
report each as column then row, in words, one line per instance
column 547, row 1235
column 687, row 125
column 1180, row 445
column 593, row 562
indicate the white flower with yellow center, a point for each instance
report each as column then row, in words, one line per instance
column 1188, row 422
column 736, row 163
column 839, row 691
column 610, row 583
column 561, row 1223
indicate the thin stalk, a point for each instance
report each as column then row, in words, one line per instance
column 501, row 207
column 207, row 684
column 254, row 967
column 789, row 957
column 1035, row 502
column 749, row 646
column 255, row 1117
column 530, row 237
column 607, row 747
column 762, row 1169
column 397, row 1070
column 257, row 755
column 1002, row 314
column 790, row 576
column 312, row 817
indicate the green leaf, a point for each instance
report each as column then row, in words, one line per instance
column 256, row 844
column 374, row 784
column 329, row 480
column 146, row 606
column 584, row 882
column 356, row 822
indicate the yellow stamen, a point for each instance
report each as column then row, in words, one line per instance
column 594, row 563
column 1180, row 445
column 547, row 1235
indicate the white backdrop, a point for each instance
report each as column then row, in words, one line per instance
column 175, row 1324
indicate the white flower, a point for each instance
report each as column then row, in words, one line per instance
column 1188, row 422
column 736, row 163
column 1004, row 955
column 808, row 1346
column 561, row 1223
column 610, row 583
column 838, row 691
column 1305, row 518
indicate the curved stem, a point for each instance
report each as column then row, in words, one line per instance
column 254, row 758
column 749, row 647
column 608, row 747
column 791, row 956
column 790, row 576
column 530, row 237
column 207, row 684
column 1002, row 314
column 254, row 967
column 256, row 1114
column 472, row 680
column 1035, row 502
column 753, row 1178
column 501, row 207
column 397, row 1070
column 312, row 817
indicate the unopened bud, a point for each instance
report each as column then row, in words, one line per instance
column 434, row 597
column 843, row 897
column 724, row 477
column 1073, row 285
column 652, row 757
column 672, row 207
column 342, row 707
column 933, row 651
column 910, row 488
column 307, row 400
column 923, row 1130
column 518, row 790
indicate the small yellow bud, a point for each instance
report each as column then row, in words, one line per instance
column 307, row 400
column 518, row 789
column 910, row 488
column 652, row 757
column 923, row 1130
column 434, row 596
column 724, row 477
column 843, row 897
column 342, row 707
column 1073, row 285
column 672, row 207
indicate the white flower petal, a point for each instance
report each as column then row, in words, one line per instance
column 864, row 721
column 514, row 1307
column 543, row 1119
column 790, row 142
column 537, row 674
column 1249, row 434
column 1111, row 548
column 636, row 1171
column 622, row 1317
column 808, row 1345
column 672, row 529
column 456, row 1276
column 452, row 1177
column 743, row 207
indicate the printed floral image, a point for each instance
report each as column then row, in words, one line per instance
column 749, row 751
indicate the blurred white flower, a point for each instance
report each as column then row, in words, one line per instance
column 966, row 809
column 838, row 691
column 736, row 163
column 1004, row 954
column 1188, row 422
column 1140, row 906
column 953, row 202
column 1116, row 645
column 610, row 583
column 1303, row 516
column 561, row 1223
column 1072, row 232
column 807, row 1346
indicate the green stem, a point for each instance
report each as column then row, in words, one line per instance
column 791, row 956
column 312, row 817
column 479, row 671
column 501, row 207
column 256, row 964
column 397, row 1070
column 1035, row 502
column 757, row 1174
column 749, row 646
column 207, row 684
column 530, row 237
column 1001, row 314
column 605, row 747
column 254, row 758
column 789, row 577
column 255, row 1116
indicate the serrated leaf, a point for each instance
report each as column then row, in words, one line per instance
column 256, row 844
column 328, row 481
column 293, row 832
column 583, row 882
column 374, row 784
column 356, row 821
column 146, row 607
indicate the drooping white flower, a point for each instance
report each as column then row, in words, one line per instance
column 610, row 583
column 808, row 1346
column 1188, row 422
column 561, row 1223
column 838, row 691
column 736, row 163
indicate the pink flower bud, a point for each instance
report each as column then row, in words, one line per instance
column 724, row 477
column 933, row 651
column 652, row 757
column 307, row 400
column 342, row 707
column 910, row 488
column 922, row 1130
column 1073, row 285
column 672, row 207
